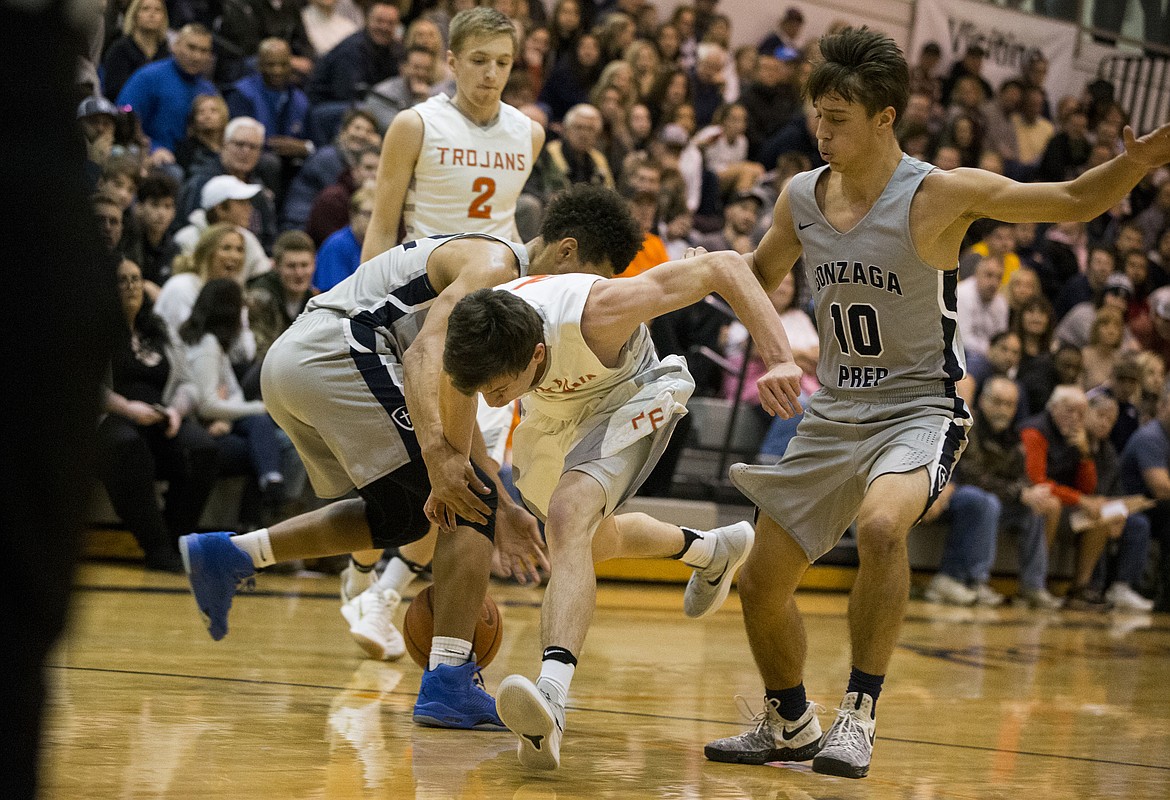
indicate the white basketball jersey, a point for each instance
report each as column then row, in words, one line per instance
column 574, row 379
column 467, row 177
column 389, row 296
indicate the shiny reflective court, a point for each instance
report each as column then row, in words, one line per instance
column 998, row 703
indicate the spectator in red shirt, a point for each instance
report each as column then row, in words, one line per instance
column 1057, row 453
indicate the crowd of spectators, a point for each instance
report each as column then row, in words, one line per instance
column 1066, row 329
column 217, row 131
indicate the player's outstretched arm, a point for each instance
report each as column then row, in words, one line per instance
column 983, row 194
column 400, row 149
column 616, row 308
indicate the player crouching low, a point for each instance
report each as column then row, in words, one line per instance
column 599, row 408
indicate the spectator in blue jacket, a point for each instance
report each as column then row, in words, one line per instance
column 161, row 93
column 341, row 254
column 270, row 97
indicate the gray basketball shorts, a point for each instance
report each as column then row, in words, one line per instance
column 841, row 446
column 617, row 441
column 330, row 385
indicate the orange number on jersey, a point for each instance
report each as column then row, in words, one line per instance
column 479, row 209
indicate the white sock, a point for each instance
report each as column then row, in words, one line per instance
column 700, row 552
column 554, row 680
column 396, row 577
column 258, row 545
column 358, row 580
column 449, row 650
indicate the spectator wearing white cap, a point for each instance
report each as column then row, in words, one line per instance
column 1155, row 336
column 226, row 198
column 243, row 144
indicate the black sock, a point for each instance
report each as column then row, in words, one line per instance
column 790, row 703
column 864, row 683
column 559, row 654
column 689, row 537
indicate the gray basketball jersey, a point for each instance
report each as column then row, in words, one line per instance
column 390, row 294
column 887, row 320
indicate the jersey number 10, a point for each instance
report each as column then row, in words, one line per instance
column 861, row 335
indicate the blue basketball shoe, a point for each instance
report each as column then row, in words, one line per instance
column 454, row 697
column 216, row 569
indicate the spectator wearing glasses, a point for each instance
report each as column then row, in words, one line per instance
column 243, row 144
column 148, row 432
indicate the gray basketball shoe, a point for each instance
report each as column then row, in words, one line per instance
column 848, row 745
column 709, row 586
column 773, row 739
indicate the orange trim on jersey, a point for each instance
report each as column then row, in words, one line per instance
column 533, row 279
column 512, row 427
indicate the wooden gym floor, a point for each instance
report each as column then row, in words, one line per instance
column 979, row 703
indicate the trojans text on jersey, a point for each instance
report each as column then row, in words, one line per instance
column 484, row 159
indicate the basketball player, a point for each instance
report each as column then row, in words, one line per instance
column 334, row 383
column 458, row 164
column 879, row 234
column 448, row 165
column 599, row 408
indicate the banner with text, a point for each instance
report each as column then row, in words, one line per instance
column 1008, row 38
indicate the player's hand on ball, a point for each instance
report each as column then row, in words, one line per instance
column 780, row 390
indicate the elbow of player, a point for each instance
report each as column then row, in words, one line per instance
column 728, row 267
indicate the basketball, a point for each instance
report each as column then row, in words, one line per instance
column 419, row 626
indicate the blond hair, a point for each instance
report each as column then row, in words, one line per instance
column 481, row 21
column 199, row 260
column 130, row 21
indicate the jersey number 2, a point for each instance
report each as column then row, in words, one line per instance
column 479, row 208
column 862, row 334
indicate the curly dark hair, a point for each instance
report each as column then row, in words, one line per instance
column 862, row 66
column 601, row 222
column 491, row 333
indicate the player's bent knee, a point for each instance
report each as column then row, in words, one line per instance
column 882, row 536
column 566, row 530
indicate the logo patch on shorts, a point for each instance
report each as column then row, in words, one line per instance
column 401, row 417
